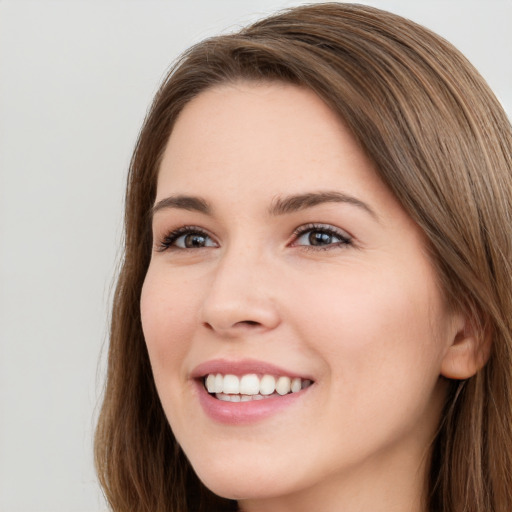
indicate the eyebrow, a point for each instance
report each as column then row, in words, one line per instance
column 279, row 205
column 190, row 203
column 290, row 204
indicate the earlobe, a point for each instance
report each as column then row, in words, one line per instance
column 469, row 351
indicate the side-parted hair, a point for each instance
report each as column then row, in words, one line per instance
column 442, row 144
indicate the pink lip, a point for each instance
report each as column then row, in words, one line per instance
column 240, row 413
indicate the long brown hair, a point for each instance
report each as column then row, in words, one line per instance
column 443, row 145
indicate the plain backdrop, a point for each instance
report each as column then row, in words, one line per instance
column 76, row 78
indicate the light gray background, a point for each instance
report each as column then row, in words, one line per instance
column 76, row 78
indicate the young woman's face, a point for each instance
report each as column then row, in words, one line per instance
column 280, row 256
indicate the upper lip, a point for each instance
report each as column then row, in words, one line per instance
column 242, row 367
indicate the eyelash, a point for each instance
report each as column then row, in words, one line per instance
column 345, row 238
column 169, row 240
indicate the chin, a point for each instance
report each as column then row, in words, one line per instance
column 236, row 489
column 236, row 484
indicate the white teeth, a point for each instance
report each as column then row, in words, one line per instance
column 219, row 383
column 210, row 383
column 296, row 385
column 231, row 384
column 238, row 398
column 267, row 385
column 251, row 386
column 283, row 385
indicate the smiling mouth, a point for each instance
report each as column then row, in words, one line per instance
column 233, row 388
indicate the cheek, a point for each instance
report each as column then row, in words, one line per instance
column 167, row 316
column 378, row 337
column 374, row 324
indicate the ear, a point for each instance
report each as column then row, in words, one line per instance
column 468, row 351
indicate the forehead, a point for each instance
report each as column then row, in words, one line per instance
column 254, row 141
column 254, row 118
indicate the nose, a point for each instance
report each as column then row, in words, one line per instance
column 241, row 299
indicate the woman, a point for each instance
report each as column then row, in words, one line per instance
column 314, row 310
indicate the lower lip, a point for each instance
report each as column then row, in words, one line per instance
column 240, row 413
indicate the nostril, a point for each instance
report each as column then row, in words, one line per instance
column 246, row 323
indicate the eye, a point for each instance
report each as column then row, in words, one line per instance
column 186, row 237
column 320, row 236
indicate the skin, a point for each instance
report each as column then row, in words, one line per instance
column 366, row 320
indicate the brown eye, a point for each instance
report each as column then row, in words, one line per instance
column 186, row 238
column 193, row 240
column 321, row 237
